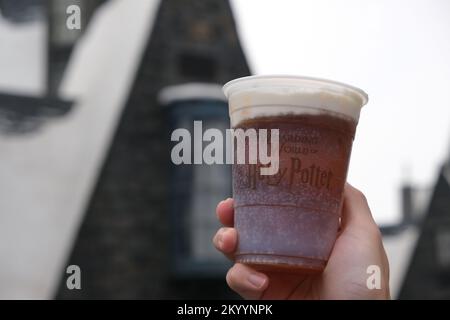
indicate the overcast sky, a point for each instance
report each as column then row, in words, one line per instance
column 398, row 51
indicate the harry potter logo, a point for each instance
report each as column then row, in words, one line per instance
column 293, row 174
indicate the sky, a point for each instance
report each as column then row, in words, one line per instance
column 397, row 51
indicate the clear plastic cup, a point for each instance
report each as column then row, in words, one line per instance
column 289, row 221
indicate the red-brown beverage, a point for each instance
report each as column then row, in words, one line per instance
column 290, row 219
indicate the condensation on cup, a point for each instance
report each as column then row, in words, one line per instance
column 289, row 221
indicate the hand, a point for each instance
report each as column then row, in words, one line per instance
column 358, row 246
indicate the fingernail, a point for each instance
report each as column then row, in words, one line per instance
column 228, row 201
column 220, row 240
column 256, row 280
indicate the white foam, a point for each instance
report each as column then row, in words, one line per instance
column 261, row 96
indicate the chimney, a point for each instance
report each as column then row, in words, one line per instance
column 407, row 204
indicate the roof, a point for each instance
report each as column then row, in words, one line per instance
column 38, row 167
column 399, row 248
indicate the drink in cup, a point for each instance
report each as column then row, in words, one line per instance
column 289, row 221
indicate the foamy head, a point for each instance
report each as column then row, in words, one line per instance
column 263, row 96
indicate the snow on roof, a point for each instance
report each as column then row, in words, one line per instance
column 46, row 179
column 22, row 57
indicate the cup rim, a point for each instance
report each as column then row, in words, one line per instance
column 279, row 80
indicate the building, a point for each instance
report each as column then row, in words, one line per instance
column 418, row 247
column 25, row 113
column 428, row 273
column 123, row 244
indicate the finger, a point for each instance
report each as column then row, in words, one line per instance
column 225, row 241
column 247, row 282
column 225, row 212
column 355, row 209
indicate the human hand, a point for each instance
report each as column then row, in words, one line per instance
column 358, row 246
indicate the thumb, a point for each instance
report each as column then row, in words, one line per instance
column 355, row 210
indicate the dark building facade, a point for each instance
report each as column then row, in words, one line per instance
column 428, row 275
column 123, row 245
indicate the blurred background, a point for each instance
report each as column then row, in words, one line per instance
column 91, row 89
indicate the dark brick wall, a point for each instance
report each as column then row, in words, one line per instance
column 123, row 244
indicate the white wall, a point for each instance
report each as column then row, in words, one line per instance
column 46, row 178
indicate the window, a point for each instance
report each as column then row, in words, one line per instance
column 442, row 244
column 210, row 184
column 197, row 67
column 443, row 248
column 195, row 189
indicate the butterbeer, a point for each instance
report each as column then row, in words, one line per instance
column 289, row 221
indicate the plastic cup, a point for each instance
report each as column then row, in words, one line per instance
column 289, row 221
